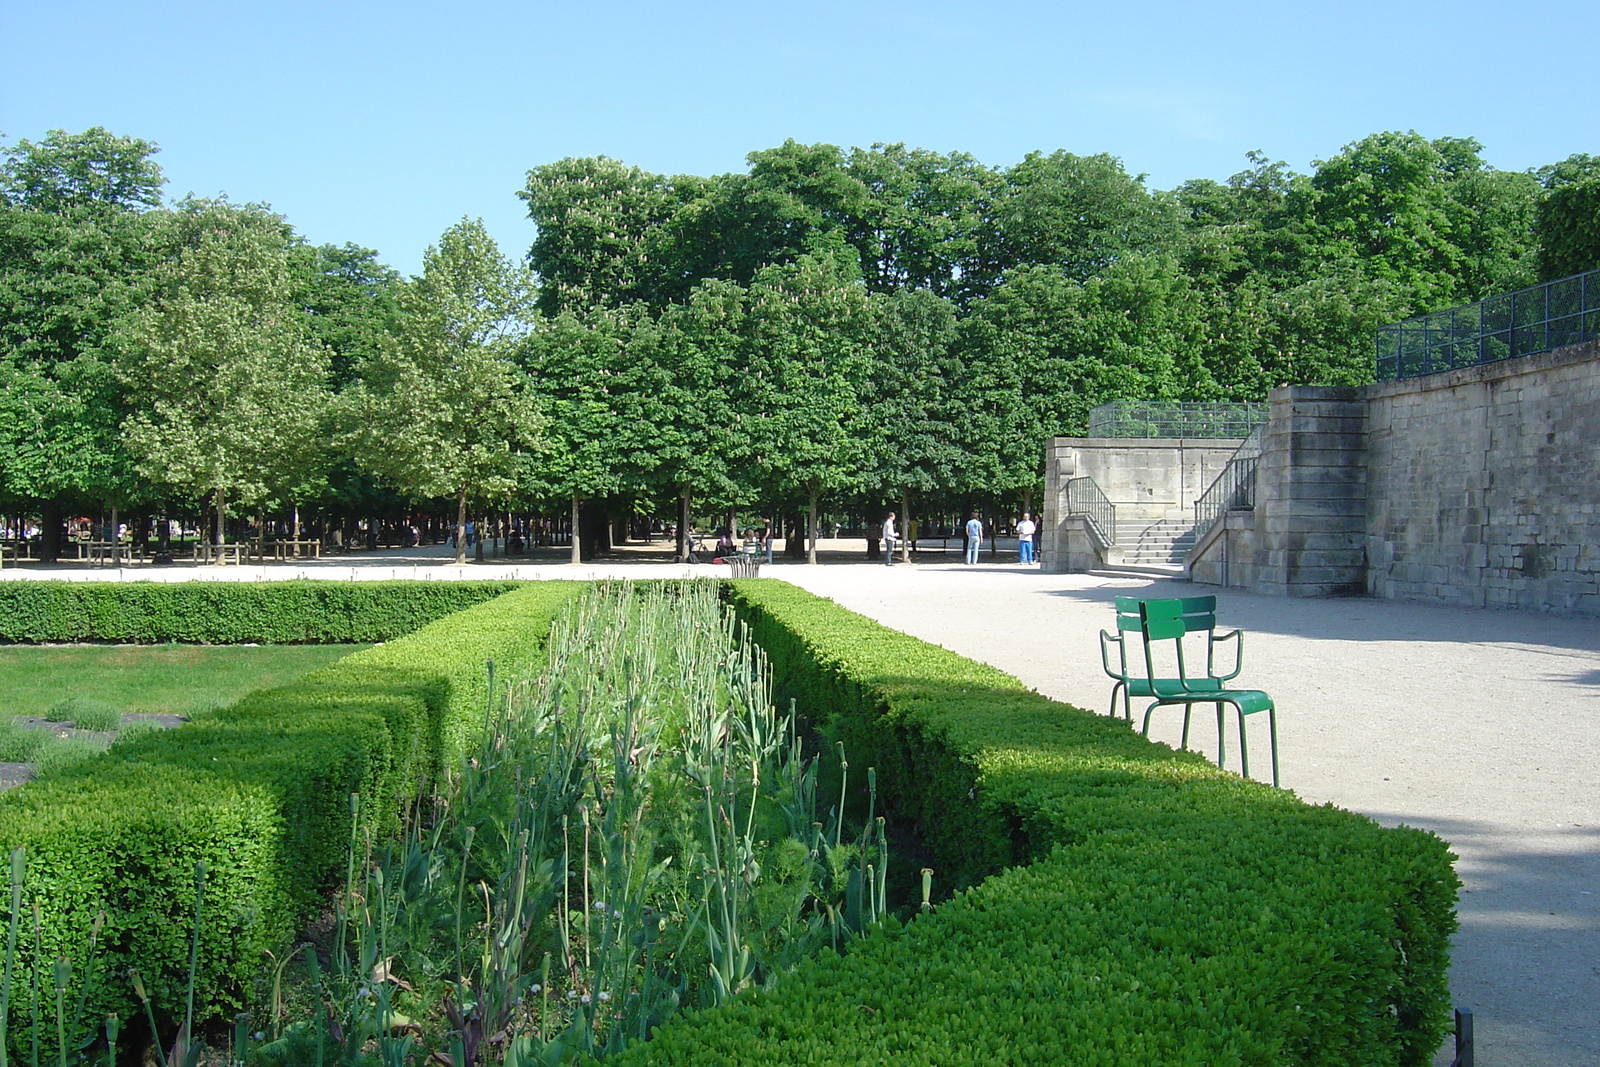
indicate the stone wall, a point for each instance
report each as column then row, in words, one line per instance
column 1484, row 485
column 1310, row 521
column 1147, row 479
column 1475, row 487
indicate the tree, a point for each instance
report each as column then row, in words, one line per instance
column 441, row 408
column 76, row 248
column 1079, row 214
column 684, row 432
column 809, row 325
column 579, row 368
column 1569, row 217
column 93, row 172
column 230, row 391
column 911, row 447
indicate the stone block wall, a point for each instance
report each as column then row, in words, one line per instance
column 1310, row 521
column 1484, row 485
column 1147, row 480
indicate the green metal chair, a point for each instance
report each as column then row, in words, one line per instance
column 1199, row 614
column 1162, row 621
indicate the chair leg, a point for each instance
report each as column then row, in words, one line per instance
column 1222, row 742
column 1244, row 751
column 1147, row 713
column 1187, row 710
column 1272, row 722
column 1118, row 688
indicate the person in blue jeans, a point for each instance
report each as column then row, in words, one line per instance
column 974, row 538
column 1025, row 530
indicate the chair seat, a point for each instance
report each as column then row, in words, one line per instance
column 1147, row 687
column 1176, row 691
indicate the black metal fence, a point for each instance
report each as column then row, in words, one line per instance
column 1156, row 418
column 1234, row 488
column 1085, row 497
column 1553, row 315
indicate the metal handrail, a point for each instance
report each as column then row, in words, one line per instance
column 1234, row 488
column 1537, row 319
column 1084, row 497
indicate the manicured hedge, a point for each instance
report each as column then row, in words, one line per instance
column 1137, row 906
column 230, row 613
column 260, row 792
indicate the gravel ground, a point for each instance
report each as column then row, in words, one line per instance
column 1481, row 726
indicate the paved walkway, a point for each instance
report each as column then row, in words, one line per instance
column 1481, row 726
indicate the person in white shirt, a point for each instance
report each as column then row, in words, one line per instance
column 889, row 538
column 1025, row 530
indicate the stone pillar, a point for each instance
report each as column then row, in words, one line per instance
column 1311, row 485
column 1060, row 464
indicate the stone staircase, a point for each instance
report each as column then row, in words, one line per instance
column 1160, row 543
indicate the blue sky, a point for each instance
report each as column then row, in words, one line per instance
column 383, row 124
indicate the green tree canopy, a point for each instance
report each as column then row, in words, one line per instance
column 442, row 408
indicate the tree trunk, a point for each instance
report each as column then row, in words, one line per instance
column 296, row 527
column 461, row 527
column 811, row 523
column 222, row 519
column 51, row 536
column 684, row 544
column 905, row 526
column 576, row 555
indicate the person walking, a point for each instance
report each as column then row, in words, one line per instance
column 974, row 538
column 889, row 538
column 1025, row 530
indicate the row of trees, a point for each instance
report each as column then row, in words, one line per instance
column 845, row 327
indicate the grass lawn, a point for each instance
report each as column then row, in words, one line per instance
column 175, row 679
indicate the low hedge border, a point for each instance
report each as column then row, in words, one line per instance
column 230, row 613
column 1137, row 904
column 260, row 792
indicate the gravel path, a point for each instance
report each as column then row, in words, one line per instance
column 1481, row 726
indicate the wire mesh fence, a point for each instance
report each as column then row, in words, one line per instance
column 1538, row 319
column 1175, row 418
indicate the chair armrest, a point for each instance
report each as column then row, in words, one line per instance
column 1237, row 636
column 1105, row 660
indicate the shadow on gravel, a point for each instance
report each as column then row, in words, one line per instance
column 1363, row 619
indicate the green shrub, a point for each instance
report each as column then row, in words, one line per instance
column 261, row 793
column 59, row 753
column 231, row 613
column 85, row 713
column 133, row 730
column 18, row 743
column 1130, row 904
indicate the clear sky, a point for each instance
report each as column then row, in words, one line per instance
column 384, row 123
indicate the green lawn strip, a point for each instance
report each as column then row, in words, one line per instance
column 1165, row 911
column 230, row 613
column 278, row 767
column 168, row 679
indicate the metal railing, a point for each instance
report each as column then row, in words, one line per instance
column 1544, row 317
column 1235, row 487
column 1174, row 418
column 1084, row 497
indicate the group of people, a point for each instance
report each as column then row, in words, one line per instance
column 1026, row 528
column 753, row 542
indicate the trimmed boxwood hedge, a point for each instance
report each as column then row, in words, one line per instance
column 260, row 792
column 1137, row 905
column 230, row 613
